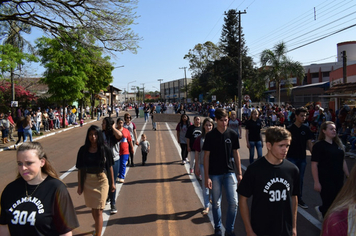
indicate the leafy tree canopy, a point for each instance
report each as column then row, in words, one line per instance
column 108, row 21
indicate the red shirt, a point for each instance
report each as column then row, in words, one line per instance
column 11, row 120
column 124, row 142
column 336, row 224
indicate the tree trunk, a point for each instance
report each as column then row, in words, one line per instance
column 64, row 115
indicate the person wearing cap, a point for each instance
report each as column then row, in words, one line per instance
column 4, row 127
column 12, row 126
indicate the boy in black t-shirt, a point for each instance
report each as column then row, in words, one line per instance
column 273, row 182
column 219, row 169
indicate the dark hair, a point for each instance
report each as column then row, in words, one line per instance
column 108, row 132
column 181, row 120
column 220, row 113
column 299, row 110
column 119, row 119
column 277, row 134
column 47, row 168
column 100, row 141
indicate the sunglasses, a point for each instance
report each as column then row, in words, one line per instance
column 128, row 117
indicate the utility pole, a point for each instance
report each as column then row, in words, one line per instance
column 239, row 78
column 160, row 94
column 185, row 82
column 344, row 67
column 143, row 92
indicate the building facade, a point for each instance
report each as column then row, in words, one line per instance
column 176, row 90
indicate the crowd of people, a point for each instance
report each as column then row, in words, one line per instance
column 274, row 180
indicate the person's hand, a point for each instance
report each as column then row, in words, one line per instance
column 208, row 183
column 294, row 232
column 189, row 150
column 79, row 190
column 113, row 188
column 251, row 234
column 197, row 170
column 136, row 142
column 317, row 187
column 248, row 145
column 239, row 178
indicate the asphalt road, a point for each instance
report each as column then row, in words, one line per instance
column 160, row 198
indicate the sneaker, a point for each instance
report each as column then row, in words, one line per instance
column 218, row 232
column 319, row 214
column 113, row 209
column 186, row 160
column 107, row 201
column 191, row 171
column 302, row 204
column 121, row 180
column 183, row 162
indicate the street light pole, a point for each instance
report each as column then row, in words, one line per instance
column 160, row 94
column 185, row 82
column 128, row 90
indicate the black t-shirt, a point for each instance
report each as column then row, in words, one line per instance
column 254, row 130
column 272, row 187
column 220, row 146
column 192, row 133
column 300, row 137
column 49, row 211
column 330, row 160
column 93, row 162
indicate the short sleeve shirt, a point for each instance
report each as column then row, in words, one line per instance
column 192, row 133
column 220, row 146
column 48, row 211
column 254, row 130
column 271, row 187
column 300, row 137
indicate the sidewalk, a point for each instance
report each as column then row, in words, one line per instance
column 10, row 144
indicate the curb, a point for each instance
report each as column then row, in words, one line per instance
column 47, row 135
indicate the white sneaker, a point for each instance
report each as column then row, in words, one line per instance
column 319, row 214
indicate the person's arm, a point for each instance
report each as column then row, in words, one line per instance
column 188, row 145
column 113, row 186
column 310, row 145
column 345, row 169
column 178, row 135
column 261, row 138
column 117, row 133
column 294, row 215
column 238, row 165
column 79, row 190
column 245, row 215
column 246, row 136
column 135, row 135
column 208, row 183
column 130, row 144
column 148, row 148
column 4, row 230
column 315, row 173
column 196, row 167
column 240, row 130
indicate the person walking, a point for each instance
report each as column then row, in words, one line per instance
column 152, row 112
column 38, row 119
column 301, row 138
column 27, row 128
column 219, row 170
column 208, row 125
column 181, row 129
column 93, row 160
column 145, row 148
column 253, row 135
column 193, row 132
column 4, row 127
column 235, row 124
column 273, row 183
column 131, row 127
column 111, row 139
column 11, row 127
column 126, row 148
column 37, row 202
column 20, row 131
column 328, row 166
column 146, row 111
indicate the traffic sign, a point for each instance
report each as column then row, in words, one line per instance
column 247, row 98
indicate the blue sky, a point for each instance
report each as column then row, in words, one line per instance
column 170, row 28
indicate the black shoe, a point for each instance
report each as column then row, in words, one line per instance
column 218, row 232
column 302, row 204
column 132, row 165
column 113, row 209
column 143, row 163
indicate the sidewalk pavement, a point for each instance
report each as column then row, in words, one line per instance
column 10, row 144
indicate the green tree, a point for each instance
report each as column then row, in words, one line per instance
column 109, row 22
column 277, row 67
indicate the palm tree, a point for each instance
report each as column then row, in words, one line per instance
column 277, row 67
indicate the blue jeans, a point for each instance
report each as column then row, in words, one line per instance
column 122, row 169
column 115, row 168
column 258, row 145
column 229, row 182
column 146, row 116
column 204, row 189
column 301, row 163
column 27, row 132
column 98, row 118
column 38, row 126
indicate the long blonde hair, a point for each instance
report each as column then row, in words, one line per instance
column 346, row 199
column 47, row 168
column 322, row 136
